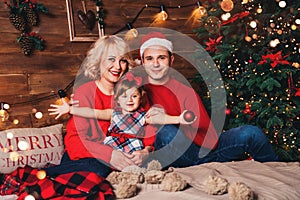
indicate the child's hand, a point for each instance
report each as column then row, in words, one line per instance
column 155, row 115
column 182, row 118
column 59, row 110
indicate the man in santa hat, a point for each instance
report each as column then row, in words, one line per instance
column 187, row 145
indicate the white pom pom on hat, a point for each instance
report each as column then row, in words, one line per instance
column 155, row 38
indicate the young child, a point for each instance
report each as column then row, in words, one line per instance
column 129, row 130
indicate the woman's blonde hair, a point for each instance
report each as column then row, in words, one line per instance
column 99, row 51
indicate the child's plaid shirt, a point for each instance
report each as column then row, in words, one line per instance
column 126, row 130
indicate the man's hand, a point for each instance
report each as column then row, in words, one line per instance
column 140, row 156
column 182, row 118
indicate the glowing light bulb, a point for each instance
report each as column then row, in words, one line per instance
column 62, row 95
column 163, row 13
column 3, row 115
column 131, row 33
column 3, row 111
column 202, row 11
column 6, row 106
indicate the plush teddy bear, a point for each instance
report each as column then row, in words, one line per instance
column 126, row 182
column 237, row 191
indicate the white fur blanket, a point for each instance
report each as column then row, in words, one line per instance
column 269, row 181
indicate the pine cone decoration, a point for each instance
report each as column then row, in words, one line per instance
column 31, row 16
column 17, row 20
column 27, row 45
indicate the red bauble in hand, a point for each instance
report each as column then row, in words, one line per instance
column 189, row 116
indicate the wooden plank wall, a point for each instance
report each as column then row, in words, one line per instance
column 30, row 83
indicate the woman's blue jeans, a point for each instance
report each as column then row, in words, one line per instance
column 173, row 148
column 86, row 164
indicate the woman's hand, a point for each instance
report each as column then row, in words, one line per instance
column 120, row 160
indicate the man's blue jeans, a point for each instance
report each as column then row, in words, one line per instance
column 173, row 148
column 86, row 164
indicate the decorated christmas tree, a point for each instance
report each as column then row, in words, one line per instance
column 256, row 47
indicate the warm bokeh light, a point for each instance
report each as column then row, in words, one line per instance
column 10, row 135
column 14, row 156
column 23, row 145
column 29, row 197
column 41, row 174
column 38, row 115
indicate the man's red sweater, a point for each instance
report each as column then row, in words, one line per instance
column 175, row 97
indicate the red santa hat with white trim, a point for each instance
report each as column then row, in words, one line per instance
column 155, row 38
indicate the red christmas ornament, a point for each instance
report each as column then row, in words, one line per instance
column 297, row 94
column 189, row 116
column 247, row 109
column 228, row 111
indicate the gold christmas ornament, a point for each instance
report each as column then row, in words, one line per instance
column 227, row 5
column 212, row 24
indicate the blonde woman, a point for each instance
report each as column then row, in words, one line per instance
column 105, row 63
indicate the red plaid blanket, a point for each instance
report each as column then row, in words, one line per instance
column 75, row 185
